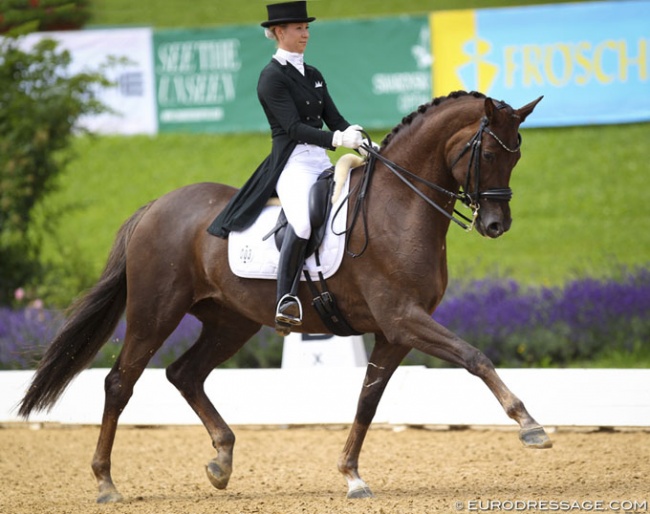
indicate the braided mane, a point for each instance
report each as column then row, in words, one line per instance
column 407, row 120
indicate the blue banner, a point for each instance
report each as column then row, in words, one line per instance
column 591, row 61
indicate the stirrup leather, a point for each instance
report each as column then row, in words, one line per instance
column 282, row 317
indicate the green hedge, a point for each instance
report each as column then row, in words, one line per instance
column 21, row 16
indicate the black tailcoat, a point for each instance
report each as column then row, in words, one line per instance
column 296, row 107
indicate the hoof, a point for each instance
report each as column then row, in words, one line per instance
column 217, row 476
column 535, row 438
column 357, row 488
column 361, row 492
column 109, row 497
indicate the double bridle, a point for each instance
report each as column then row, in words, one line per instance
column 469, row 199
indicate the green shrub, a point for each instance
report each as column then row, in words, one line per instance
column 40, row 102
column 22, row 16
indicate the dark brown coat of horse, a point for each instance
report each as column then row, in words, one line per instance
column 164, row 264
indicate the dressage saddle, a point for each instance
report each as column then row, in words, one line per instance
column 320, row 207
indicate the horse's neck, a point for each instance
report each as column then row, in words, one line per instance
column 400, row 221
column 427, row 161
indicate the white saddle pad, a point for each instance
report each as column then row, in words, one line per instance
column 251, row 257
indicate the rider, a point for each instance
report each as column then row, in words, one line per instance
column 296, row 103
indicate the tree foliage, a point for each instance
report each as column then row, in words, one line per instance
column 40, row 104
column 22, row 16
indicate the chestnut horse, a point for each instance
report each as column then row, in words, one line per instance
column 164, row 264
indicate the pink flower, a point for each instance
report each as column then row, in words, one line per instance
column 19, row 294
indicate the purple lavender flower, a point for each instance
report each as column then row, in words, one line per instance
column 512, row 324
column 24, row 335
column 517, row 326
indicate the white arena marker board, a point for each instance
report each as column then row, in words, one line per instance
column 328, row 395
column 316, row 350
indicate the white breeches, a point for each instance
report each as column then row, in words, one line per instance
column 304, row 166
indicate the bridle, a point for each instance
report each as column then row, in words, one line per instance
column 469, row 199
column 496, row 194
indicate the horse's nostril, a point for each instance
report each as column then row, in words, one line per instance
column 495, row 229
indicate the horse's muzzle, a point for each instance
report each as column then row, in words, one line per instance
column 493, row 223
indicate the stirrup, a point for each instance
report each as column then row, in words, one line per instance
column 285, row 318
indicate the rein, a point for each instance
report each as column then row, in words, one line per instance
column 471, row 200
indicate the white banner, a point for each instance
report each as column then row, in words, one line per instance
column 133, row 98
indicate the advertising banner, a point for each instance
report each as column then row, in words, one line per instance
column 132, row 100
column 377, row 70
column 206, row 79
column 591, row 61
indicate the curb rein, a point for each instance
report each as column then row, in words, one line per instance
column 471, row 200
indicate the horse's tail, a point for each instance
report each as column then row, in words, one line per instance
column 90, row 322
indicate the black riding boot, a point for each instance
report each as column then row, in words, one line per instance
column 292, row 258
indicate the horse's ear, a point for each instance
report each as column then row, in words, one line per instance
column 524, row 111
column 489, row 108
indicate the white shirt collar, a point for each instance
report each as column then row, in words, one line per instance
column 295, row 59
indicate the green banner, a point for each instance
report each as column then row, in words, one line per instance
column 376, row 70
column 206, row 79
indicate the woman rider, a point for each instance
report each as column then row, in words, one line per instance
column 296, row 103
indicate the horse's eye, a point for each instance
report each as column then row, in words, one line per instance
column 488, row 156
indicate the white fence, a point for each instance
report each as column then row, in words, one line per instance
column 328, row 395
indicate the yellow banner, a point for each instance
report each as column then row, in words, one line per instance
column 457, row 46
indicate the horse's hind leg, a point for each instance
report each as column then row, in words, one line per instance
column 383, row 362
column 224, row 332
column 140, row 343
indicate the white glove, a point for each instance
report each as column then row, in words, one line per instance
column 363, row 151
column 349, row 138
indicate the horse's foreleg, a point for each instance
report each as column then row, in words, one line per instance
column 219, row 340
column 439, row 342
column 383, row 362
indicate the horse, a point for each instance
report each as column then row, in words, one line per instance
column 164, row 264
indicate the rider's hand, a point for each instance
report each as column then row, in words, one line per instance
column 365, row 142
column 349, row 138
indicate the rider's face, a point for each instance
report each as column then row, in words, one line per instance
column 293, row 37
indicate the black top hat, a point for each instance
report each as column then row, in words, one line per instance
column 287, row 12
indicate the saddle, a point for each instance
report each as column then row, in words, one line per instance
column 320, row 207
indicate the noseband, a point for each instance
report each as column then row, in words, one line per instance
column 471, row 200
